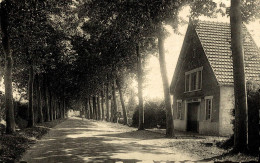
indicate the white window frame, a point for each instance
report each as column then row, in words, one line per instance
column 179, row 112
column 211, row 107
column 188, row 73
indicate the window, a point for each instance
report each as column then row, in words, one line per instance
column 199, row 79
column 208, row 107
column 187, row 82
column 179, row 108
column 193, row 80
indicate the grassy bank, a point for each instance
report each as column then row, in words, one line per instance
column 13, row 146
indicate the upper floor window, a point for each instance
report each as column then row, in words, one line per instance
column 193, row 80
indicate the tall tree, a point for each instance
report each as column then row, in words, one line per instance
column 140, row 89
column 46, row 97
column 102, row 103
column 10, row 123
column 87, row 112
column 107, row 101
column 99, row 108
column 94, row 108
column 39, row 98
column 166, row 90
column 90, row 109
column 114, row 113
column 240, row 129
column 30, row 93
column 122, row 100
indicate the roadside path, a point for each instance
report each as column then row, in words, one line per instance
column 76, row 140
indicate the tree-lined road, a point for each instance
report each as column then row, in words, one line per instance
column 76, row 140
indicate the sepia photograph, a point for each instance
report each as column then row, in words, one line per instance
column 129, row 81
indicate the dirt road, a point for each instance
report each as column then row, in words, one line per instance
column 76, row 140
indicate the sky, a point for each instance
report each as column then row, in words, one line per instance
column 153, row 87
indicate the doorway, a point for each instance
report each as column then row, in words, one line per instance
column 192, row 117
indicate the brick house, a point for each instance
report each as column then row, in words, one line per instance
column 202, row 84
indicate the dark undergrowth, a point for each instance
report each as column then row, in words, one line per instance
column 226, row 144
column 12, row 147
column 229, row 144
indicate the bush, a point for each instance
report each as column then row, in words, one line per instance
column 22, row 110
column 253, row 96
column 154, row 115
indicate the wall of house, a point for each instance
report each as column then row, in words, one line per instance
column 210, row 127
column 195, row 57
column 179, row 124
column 226, row 106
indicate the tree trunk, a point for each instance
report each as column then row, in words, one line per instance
column 51, row 105
column 115, row 118
column 58, row 109
column 94, row 107
column 47, row 97
column 90, row 109
column 107, row 101
column 63, row 103
column 54, row 107
column 30, row 95
column 98, row 107
column 140, row 89
column 166, row 90
column 122, row 100
column 64, row 108
column 87, row 109
column 240, row 129
column 10, row 122
column 102, row 105
column 39, row 100
column 111, row 110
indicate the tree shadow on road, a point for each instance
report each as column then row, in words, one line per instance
column 87, row 143
column 138, row 134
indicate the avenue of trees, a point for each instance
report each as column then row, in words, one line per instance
column 80, row 53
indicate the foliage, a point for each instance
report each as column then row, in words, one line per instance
column 253, row 95
column 2, row 107
column 154, row 115
column 250, row 10
column 79, row 46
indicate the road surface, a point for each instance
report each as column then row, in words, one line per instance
column 77, row 140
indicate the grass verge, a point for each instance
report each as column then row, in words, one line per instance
column 12, row 147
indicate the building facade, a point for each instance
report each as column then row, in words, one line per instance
column 202, row 84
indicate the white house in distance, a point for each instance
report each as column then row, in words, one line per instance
column 202, row 84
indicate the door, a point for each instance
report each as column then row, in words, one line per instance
column 192, row 117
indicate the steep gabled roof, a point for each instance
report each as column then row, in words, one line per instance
column 215, row 38
column 216, row 41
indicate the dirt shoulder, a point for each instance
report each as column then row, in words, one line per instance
column 205, row 147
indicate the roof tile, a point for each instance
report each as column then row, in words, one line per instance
column 215, row 38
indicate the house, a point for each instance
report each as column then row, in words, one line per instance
column 202, row 84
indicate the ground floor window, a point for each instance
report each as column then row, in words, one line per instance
column 208, row 107
column 179, row 109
